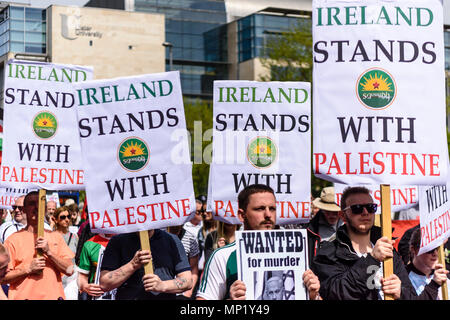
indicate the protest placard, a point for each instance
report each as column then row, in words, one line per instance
column 261, row 135
column 379, row 92
column 271, row 263
column 434, row 207
column 8, row 196
column 131, row 131
column 41, row 148
column 402, row 197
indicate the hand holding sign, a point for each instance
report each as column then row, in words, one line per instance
column 141, row 258
column 383, row 249
column 392, row 286
column 238, row 290
column 440, row 274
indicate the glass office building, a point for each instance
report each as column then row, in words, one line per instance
column 186, row 23
column 23, row 30
column 254, row 31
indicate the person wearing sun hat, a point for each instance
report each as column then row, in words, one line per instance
column 326, row 220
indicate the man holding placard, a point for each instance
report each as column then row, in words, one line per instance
column 36, row 277
column 257, row 211
column 123, row 267
column 348, row 265
column 134, row 141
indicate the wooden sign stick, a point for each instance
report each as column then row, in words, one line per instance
column 41, row 215
column 441, row 258
column 145, row 245
column 386, row 230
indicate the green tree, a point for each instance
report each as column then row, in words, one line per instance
column 199, row 122
column 288, row 57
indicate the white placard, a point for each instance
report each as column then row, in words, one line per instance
column 41, row 148
column 8, row 196
column 379, row 92
column 434, row 207
column 261, row 135
column 271, row 263
column 402, row 197
column 136, row 153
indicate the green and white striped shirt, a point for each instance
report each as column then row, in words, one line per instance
column 219, row 274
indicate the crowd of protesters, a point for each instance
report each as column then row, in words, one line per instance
column 192, row 261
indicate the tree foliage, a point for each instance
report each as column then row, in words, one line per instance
column 288, row 55
column 199, row 122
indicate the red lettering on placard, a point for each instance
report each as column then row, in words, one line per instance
column 366, row 163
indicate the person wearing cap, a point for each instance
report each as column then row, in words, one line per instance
column 326, row 221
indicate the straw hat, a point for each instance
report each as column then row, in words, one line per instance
column 69, row 202
column 326, row 201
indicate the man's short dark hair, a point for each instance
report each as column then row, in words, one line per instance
column 244, row 195
column 30, row 194
column 350, row 191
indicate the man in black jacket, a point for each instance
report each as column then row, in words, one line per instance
column 349, row 265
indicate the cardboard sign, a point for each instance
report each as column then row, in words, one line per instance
column 132, row 130
column 41, row 148
column 379, row 92
column 261, row 136
column 271, row 263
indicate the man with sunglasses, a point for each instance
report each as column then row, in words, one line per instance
column 36, row 263
column 349, row 265
column 18, row 222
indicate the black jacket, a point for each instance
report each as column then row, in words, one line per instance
column 345, row 276
column 313, row 245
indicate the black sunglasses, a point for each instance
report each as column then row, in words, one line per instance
column 17, row 207
column 358, row 208
column 432, row 251
column 63, row 217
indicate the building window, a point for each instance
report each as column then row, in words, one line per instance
column 23, row 30
column 255, row 30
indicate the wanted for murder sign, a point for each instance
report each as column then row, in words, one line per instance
column 261, row 135
column 434, row 207
column 379, row 95
column 41, row 148
column 133, row 134
column 271, row 263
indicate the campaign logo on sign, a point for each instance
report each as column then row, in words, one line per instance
column 376, row 89
column 133, row 154
column 261, row 152
column 45, row 125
